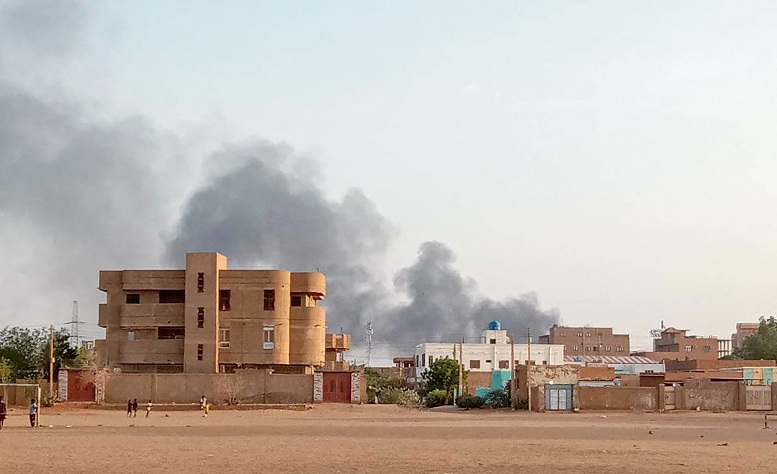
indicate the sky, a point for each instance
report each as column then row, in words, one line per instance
column 613, row 160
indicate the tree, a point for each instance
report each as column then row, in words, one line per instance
column 5, row 371
column 762, row 345
column 378, row 383
column 27, row 351
column 443, row 375
column 22, row 348
column 64, row 353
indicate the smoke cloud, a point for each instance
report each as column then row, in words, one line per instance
column 79, row 194
column 266, row 209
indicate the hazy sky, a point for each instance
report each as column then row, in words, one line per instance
column 616, row 157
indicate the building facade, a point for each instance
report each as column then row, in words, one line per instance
column 676, row 344
column 209, row 319
column 492, row 354
column 744, row 330
column 587, row 341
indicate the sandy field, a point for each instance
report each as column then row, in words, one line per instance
column 357, row 439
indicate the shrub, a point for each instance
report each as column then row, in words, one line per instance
column 409, row 398
column 390, row 395
column 498, row 397
column 436, row 398
column 520, row 404
column 470, row 401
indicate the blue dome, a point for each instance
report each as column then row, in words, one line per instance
column 494, row 326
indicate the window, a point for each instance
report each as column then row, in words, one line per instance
column 172, row 296
column 504, row 364
column 269, row 300
column 580, row 334
column 431, row 360
column 224, row 338
column 200, row 283
column 133, row 298
column 688, row 348
column 575, row 348
column 544, row 362
column 493, row 341
column 224, row 300
column 423, row 359
column 269, row 337
column 417, row 361
column 175, row 332
column 563, row 334
column 707, row 349
column 296, row 300
column 588, row 348
column 587, row 334
column 200, row 351
column 474, row 364
column 606, row 348
column 131, row 336
column 619, row 349
column 200, row 317
column 596, row 348
column 488, row 361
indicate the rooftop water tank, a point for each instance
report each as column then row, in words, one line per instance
column 494, row 326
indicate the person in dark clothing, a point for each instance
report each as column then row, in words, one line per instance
column 129, row 408
column 135, row 408
column 3, row 411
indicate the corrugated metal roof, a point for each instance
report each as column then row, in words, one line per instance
column 589, row 359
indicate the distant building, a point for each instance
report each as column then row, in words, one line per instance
column 676, row 344
column 744, row 330
column 585, row 341
column 488, row 361
column 209, row 319
column 407, row 372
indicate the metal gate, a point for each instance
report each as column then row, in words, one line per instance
column 558, row 397
column 758, row 397
column 79, row 387
column 669, row 398
column 337, row 387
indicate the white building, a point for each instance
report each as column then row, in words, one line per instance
column 492, row 353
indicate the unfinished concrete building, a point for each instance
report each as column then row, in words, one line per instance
column 209, row 319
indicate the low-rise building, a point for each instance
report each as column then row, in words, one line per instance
column 586, row 340
column 490, row 361
column 676, row 344
column 744, row 330
column 207, row 318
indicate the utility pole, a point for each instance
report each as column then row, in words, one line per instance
column 461, row 367
column 528, row 364
column 512, row 367
column 51, row 362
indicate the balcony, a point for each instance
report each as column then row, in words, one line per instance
column 337, row 342
column 152, row 315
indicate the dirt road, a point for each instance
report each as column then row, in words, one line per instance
column 357, row 439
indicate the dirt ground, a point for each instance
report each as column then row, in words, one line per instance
column 358, row 439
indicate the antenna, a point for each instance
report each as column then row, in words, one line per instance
column 368, row 333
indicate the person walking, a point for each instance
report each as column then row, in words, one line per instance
column 33, row 412
column 148, row 408
column 3, row 411
column 129, row 408
column 135, row 408
column 204, row 406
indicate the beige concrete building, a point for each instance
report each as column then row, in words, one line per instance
column 210, row 319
